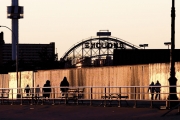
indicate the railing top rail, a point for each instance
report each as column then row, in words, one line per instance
column 92, row 87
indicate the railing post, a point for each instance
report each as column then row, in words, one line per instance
column 1, row 96
column 119, row 97
column 134, row 98
column 21, row 97
column 42, row 97
column 151, row 104
column 77, row 96
column 53, row 96
column 66, row 97
column 105, row 97
column 31, row 96
column 12, row 98
column 90, row 96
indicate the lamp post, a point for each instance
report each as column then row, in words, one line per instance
column 167, row 43
column 172, row 79
column 143, row 45
column 16, row 55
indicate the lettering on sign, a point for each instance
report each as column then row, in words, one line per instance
column 103, row 45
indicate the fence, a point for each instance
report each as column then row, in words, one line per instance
column 84, row 93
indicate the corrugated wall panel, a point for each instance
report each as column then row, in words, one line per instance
column 133, row 75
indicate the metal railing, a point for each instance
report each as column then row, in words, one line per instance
column 90, row 94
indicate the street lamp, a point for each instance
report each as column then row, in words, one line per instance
column 143, row 45
column 167, row 43
column 16, row 54
column 172, row 79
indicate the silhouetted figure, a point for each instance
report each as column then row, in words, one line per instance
column 47, row 89
column 152, row 90
column 27, row 90
column 157, row 89
column 64, row 83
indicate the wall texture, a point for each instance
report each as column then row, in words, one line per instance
column 130, row 75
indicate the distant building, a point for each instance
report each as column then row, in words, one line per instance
column 143, row 56
column 27, row 52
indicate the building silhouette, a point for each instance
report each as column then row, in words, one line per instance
column 143, row 56
column 29, row 54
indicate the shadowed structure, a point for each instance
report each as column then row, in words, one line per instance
column 172, row 79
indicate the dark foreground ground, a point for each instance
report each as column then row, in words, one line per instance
column 82, row 112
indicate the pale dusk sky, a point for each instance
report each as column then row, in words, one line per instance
column 67, row 22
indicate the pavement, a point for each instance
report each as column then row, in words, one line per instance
column 83, row 112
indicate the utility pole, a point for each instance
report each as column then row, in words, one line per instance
column 172, row 79
column 15, row 12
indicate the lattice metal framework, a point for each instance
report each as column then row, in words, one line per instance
column 97, row 47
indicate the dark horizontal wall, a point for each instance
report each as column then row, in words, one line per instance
column 143, row 56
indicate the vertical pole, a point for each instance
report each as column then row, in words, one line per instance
column 99, row 49
column 15, row 30
column 82, row 52
column 90, row 96
column 134, row 97
column 1, row 95
column 77, row 96
column 172, row 79
column 119, row 97
column 15, row 43
column 105, row 97
column 21, row 96
column 12, row 97
column 66, row 97
column 17, row 77
column 43, row 96
column 151, row 104
column 53, row 96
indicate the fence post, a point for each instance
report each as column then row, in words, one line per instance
column 53, row 96
column 90, row 96
column 31, row 93
column 42, row 97
column 12, row 98
column 134, row 98
column 77, row 96
column 152, row 101
column 119, row 97
column 105, row 97
column 66, row 97
column 1, row 96
column 21, row 97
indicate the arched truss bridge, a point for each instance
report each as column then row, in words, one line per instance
column 99, row 47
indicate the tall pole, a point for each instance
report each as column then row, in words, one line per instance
column 15, row 12
column 15, row 28
column 172, row 79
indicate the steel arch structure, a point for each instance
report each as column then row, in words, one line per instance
column 97, row 47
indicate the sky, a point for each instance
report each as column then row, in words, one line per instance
column 67, row 22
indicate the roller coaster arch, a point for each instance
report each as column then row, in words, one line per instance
column 96, row 47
